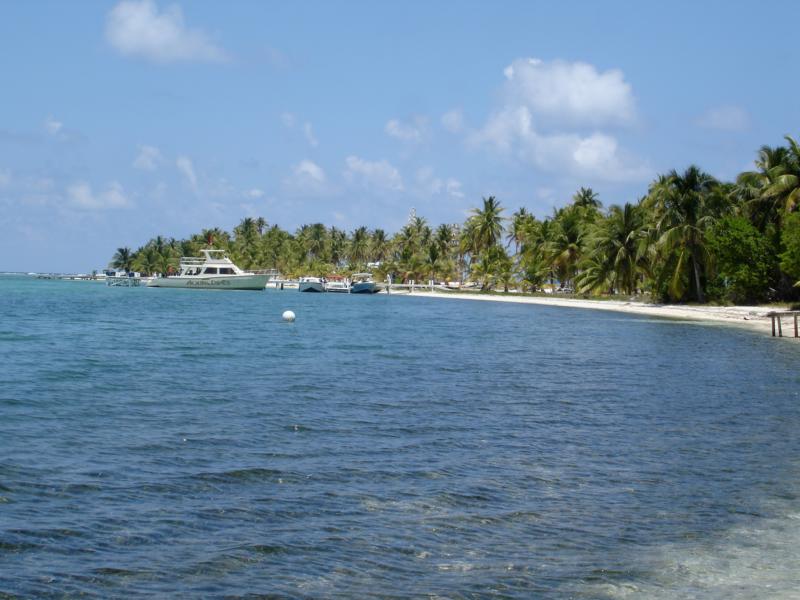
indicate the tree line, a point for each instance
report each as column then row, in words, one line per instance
column 690, row 238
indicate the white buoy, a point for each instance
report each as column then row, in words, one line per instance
column 288, row 316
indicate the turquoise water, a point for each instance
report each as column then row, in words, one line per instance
column 188, row 443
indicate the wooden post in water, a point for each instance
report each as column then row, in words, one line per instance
column 780, row 328
column 772, row 318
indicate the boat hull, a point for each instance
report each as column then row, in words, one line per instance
column 218, row 282
column 363, row 287
column 311, row 286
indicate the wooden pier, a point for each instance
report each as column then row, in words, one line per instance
column 777, row 325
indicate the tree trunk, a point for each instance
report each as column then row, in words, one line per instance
column 696, row 268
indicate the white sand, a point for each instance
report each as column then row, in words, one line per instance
column 753, row 317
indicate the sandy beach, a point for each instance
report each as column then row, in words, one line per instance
column 752, row 317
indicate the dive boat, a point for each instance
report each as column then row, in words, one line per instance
column 311, row 284
column 337, row 283
column 214, row 271
column 362, row 283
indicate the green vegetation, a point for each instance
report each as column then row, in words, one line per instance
column 691, row 238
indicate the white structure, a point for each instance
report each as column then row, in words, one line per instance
column 214, row 271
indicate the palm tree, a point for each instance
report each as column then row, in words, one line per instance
column 487, row 227
column 618, row 245
column 379, row 246
column 519, row 221
column 679, row 202
column 359, row 246
column 566, row 244
column 122, row 259
column 586, row 198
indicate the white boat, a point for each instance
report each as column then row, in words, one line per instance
column 214, row 271
column 123, row 279
column 337, row 283
column 311, row 284
column 363, row 283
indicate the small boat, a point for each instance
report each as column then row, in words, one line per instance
column 337, row 283
column 363, row 283
column 311, row 284
column 123, row 279
column 214, row 271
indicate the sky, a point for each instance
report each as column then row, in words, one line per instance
column 120, row 121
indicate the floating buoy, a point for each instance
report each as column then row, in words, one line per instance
column 288, row 316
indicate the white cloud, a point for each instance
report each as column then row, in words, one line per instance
column 453, row 188
column 288, row 119
column 307, row 168
column 408, row 132
column 307, row 178
column 253, row 193
column 373, row 174
column 81, row 196
column 52, row 126
column 148, row 159
column 309, row 133
column 428, row 184
column 725, row 118
column 514, row 128
column 569, row 93
column 453, row 121
column 186, row 167
column 137, row 28
column 596, row 155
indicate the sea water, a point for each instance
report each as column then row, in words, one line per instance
column 189, row 443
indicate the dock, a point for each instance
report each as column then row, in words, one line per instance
column 777, row 326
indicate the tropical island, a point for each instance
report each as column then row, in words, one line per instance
column 689, row 238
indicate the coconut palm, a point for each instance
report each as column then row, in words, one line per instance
column 679, row 204
column 586, row 198
column 122, row 259
column 359, row 246
column 379, row 246
column 487, row 225
column 520, row 220
column 618, row 247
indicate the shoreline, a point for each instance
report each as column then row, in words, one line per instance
column 752, row 317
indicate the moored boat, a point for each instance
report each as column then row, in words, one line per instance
column 337, row 283
column 213, row 271
column 362, row 283
column 311, row 284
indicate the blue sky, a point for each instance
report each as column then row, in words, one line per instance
column 125, row 120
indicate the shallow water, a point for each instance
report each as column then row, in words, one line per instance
column 188, row 443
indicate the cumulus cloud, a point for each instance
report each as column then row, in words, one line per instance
column 597, row 155
column 311, row 170
column 570, row 93
column 428, row 184
column 52, row 126
column 81, row 195
column 725, row 118
column 253, row 193
column 545, row 110
column 138, row 28
column 378, row 175
column 408, row 132
column 308, row 131
column 307, row 178
column 453, row 121
column 148, row 159
column 186, row 167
